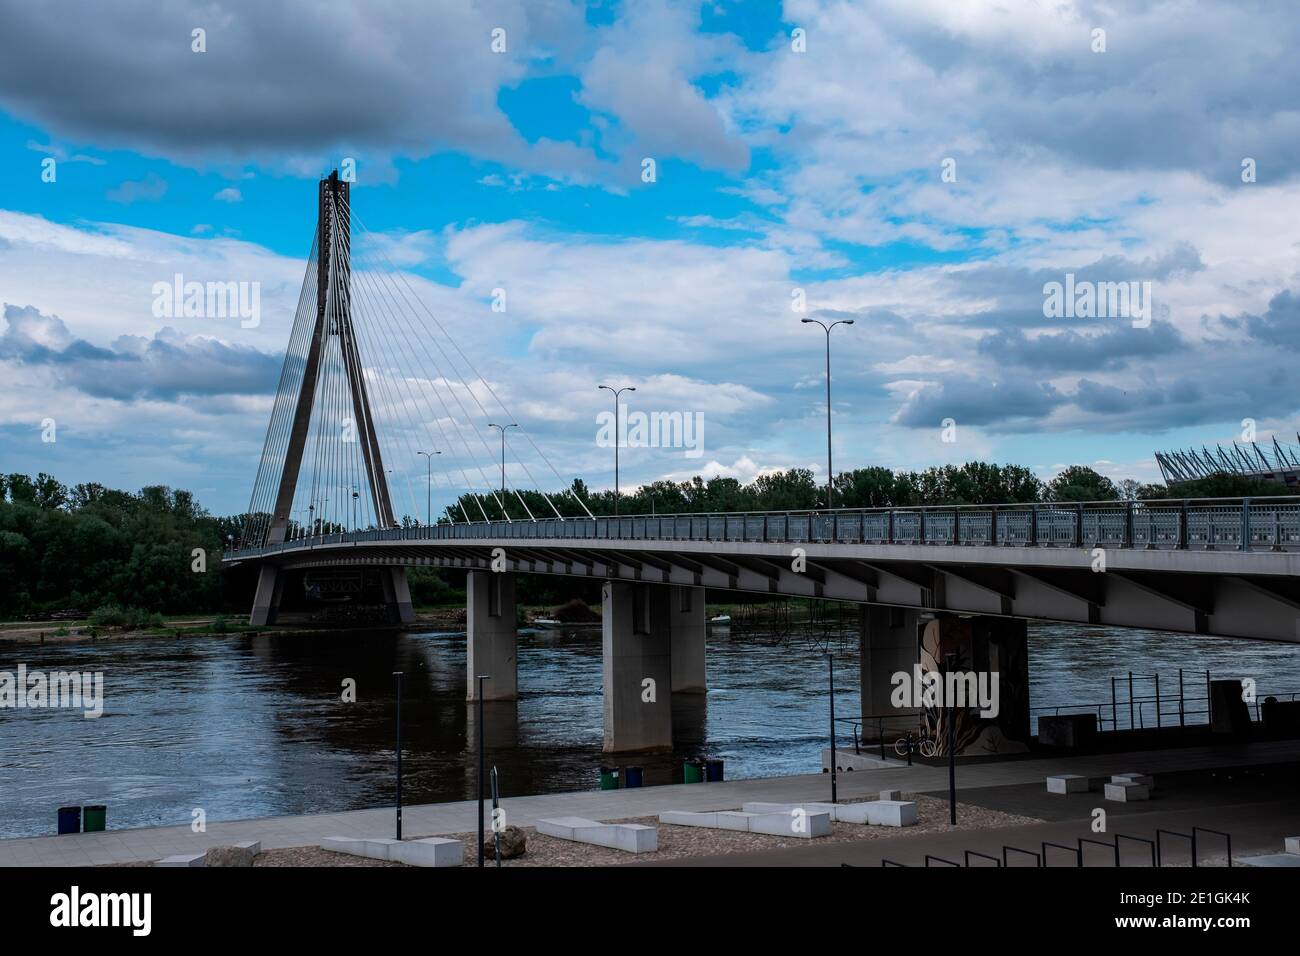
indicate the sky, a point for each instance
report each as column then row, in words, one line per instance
column 926, row 168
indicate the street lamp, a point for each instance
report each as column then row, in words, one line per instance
column 503, row 453
column 616, row 392
column 830, row 471
column 355, row 494
column 428, row 485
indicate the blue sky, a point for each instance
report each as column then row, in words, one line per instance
column 796, row 147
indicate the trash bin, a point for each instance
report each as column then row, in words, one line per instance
column 69, row 820
column 692, row 772
column 92, row 818
column 609, row 778
column 633, row 777
column 713, row 771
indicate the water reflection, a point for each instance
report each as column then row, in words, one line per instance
column 254, row 726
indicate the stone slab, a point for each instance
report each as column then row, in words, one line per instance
column 1067, row 783
column 1126, row 792
column 774, row 819
column 629, row 837
column 887, row 813
column 1293, row 844
column 184, row 859
column 1143, row 778
column 430, row 852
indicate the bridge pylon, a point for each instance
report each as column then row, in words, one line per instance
column 332, row 338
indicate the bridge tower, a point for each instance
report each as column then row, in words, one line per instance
column 333, row 318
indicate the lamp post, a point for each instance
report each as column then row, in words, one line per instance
column 830, row 672
column 428, row 485
column 480, row 678
column 616, row 392
column 355, row 494
column 503, row 453
column 398, row 675
column 830, row 471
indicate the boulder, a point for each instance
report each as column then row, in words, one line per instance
column 514, row 842
column 231, row 856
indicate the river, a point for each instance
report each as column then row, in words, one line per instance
column 250, row 726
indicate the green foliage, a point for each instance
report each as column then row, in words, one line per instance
column 1080, row 483
column 111, row 615
column 1226, row 485
column 93, row 547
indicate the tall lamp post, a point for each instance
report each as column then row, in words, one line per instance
column 503, row 453
column 616, row 393
column 830, row 471
column 428, row 485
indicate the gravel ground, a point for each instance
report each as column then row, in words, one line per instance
column 675, row 842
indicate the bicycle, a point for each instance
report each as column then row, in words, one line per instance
column 916, row 743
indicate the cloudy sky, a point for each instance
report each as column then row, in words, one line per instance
column 924, row 167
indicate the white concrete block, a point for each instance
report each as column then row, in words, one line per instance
column 1127, row 792
column 1142, row 778
column 891, row 794
column 1067, row 783
column 1293, row 844
column 893, row 813
column 630, row 837
column 370, row 849
column 799, row 823
column 254, row 845
column 775, row 819
column 184, row 859
column 433, row 851
column 889, row 813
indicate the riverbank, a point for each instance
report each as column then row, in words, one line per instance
column 1244, row 789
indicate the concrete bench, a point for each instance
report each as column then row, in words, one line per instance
column 629, row 837
column 184, row 859
column 1126, row 791
column 1293, row 844
column 1143, row 778
column 777, row 822
column 879, row 813
column 432, row 851
column 1067, row 783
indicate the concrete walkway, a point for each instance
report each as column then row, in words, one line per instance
column 152, row 843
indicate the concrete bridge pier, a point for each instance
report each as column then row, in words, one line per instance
column 636, row 660
column 890, row 643
column 687, row 632
column 491, row 635
column 266, row 601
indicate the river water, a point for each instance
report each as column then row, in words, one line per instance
column 250, row 726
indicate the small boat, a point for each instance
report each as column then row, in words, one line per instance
column 547, row 623
column 722, row 620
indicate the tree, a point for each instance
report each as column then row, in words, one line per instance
column 1081, row 483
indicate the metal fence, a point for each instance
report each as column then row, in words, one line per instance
column 1234, row 524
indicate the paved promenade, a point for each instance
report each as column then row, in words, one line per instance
column 151, row 843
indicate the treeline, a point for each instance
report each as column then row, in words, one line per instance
column 90, row 547
column 973, row 483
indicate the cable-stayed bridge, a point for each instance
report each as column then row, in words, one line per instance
column 373, row 383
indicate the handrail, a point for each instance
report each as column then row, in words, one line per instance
column 1240, row 524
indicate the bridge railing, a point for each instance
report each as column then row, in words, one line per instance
column 1233, row 524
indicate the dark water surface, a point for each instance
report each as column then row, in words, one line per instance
column 255, row 726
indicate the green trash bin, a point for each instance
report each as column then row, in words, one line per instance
column 692, row 772
column 609, row 778
column 92, row 818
